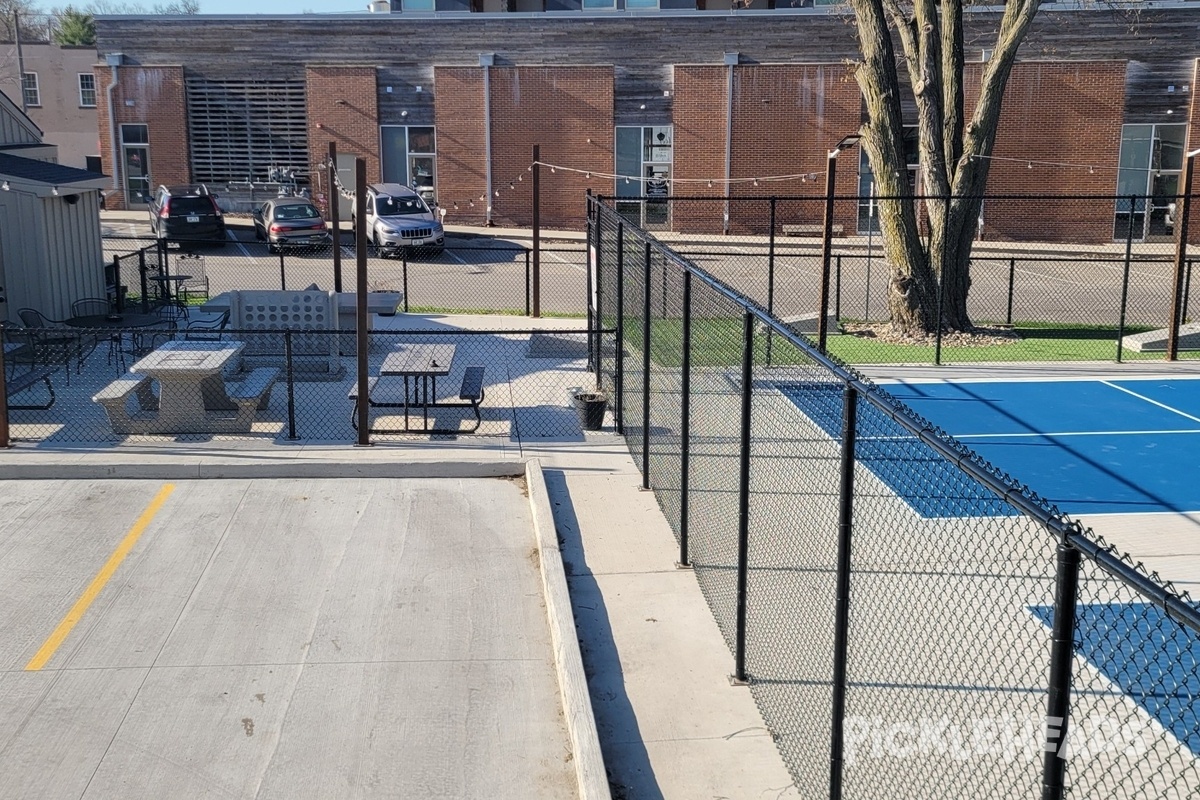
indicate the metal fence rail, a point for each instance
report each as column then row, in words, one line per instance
column 909, row 620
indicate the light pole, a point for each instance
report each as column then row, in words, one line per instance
column 827, row 234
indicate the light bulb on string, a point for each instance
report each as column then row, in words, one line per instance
column 483, row 197
column 1029, row 165
column 497, row 193
column 710, row 184
column 512, row 185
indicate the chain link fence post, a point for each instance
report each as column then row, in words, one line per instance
column 527, row 282
column 743, row 545
column 619, row 378
column 1012, row 278
column 597, row 292
column 646, row 370
column 685, row 422
column 1125, row 278
column 404, row 277
column 291, row 384
column 4, row 442
column 1181, row 245
column 770, row 274
column 592, row 244
column 1062, row 654
column 282, row 272
column 841, row 625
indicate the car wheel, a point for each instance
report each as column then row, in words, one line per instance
column 383, row 253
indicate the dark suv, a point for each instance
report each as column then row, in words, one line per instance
column 187, row 214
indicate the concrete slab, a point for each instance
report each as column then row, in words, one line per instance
column 365, row 637
column 1155, row 341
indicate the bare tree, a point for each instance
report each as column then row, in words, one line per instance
column 954, row 149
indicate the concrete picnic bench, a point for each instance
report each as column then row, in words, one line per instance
column 193, row 396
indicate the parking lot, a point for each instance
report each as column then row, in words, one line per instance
column 294, row 638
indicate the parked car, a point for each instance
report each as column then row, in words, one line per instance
column 290, row 222
column 397, row 218
column 187, row 213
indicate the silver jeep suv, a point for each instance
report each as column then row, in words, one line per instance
column 397, row 218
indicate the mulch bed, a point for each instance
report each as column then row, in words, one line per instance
column 980, row 336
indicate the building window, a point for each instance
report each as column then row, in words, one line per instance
column 1151, row 163
column 29, row 89
column 409, row 156
column 643, row 159
column 636, row 4
column 87, row 90
column 599, row 5
column 868, row 211
column 417, row 5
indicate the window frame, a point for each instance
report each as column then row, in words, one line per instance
column 36, row 88
column 79, row 84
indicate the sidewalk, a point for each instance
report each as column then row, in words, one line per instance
column 670, row 724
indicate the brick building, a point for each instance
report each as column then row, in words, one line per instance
column 685, row 102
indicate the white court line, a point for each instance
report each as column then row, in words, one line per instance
column 1067, row 433
column 1029, row 379
column 1152, row 402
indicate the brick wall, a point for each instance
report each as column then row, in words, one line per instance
column 153, row 96
column 1193, row 143
column 343, row 108
column 568, row 111
column 786, row 118
column 461, row 165
column 1059, row 134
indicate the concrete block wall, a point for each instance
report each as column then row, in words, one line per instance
column 153, row 96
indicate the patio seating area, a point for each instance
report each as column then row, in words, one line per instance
column 492, row 382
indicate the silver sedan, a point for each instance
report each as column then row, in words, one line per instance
column 290, row 222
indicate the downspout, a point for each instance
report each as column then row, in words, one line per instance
column 20, row 60
column 731, row 60
column 114, row 60
column 487, row 60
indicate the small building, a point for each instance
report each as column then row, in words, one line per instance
column 50, row 248
column 58, row 92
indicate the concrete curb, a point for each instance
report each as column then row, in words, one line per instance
column 176, row 470
column 572, row 682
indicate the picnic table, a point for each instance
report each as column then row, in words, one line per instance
column 192, row 396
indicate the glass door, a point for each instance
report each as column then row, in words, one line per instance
column 643, row 183
column 135, row 163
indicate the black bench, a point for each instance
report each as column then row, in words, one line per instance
column 471, row 392
column 28, row 380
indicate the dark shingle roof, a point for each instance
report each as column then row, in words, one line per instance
column 26, row 169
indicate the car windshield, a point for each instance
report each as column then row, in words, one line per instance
column 296, row 212
column 387, row 206
column 190, row 205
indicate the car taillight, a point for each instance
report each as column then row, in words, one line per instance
column 319, row 227
column 216, row 208
column 165, row 211
column 277, row 228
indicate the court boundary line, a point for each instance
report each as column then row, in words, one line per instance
column 1112, row 385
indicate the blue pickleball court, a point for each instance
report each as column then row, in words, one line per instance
column 1089, row 446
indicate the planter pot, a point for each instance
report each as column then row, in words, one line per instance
column 591, row 408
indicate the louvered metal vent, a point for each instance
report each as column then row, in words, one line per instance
column 240, row 130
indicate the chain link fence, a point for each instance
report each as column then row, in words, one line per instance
column 461, row 279
column 909, row 620
column 62, row 382
column 1051, row 278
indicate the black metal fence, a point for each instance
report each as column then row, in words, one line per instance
column 911, row 622
column 487, row 278
column 524, row 392
column 1053, row 278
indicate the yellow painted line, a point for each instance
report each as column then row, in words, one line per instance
column 97, row 585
